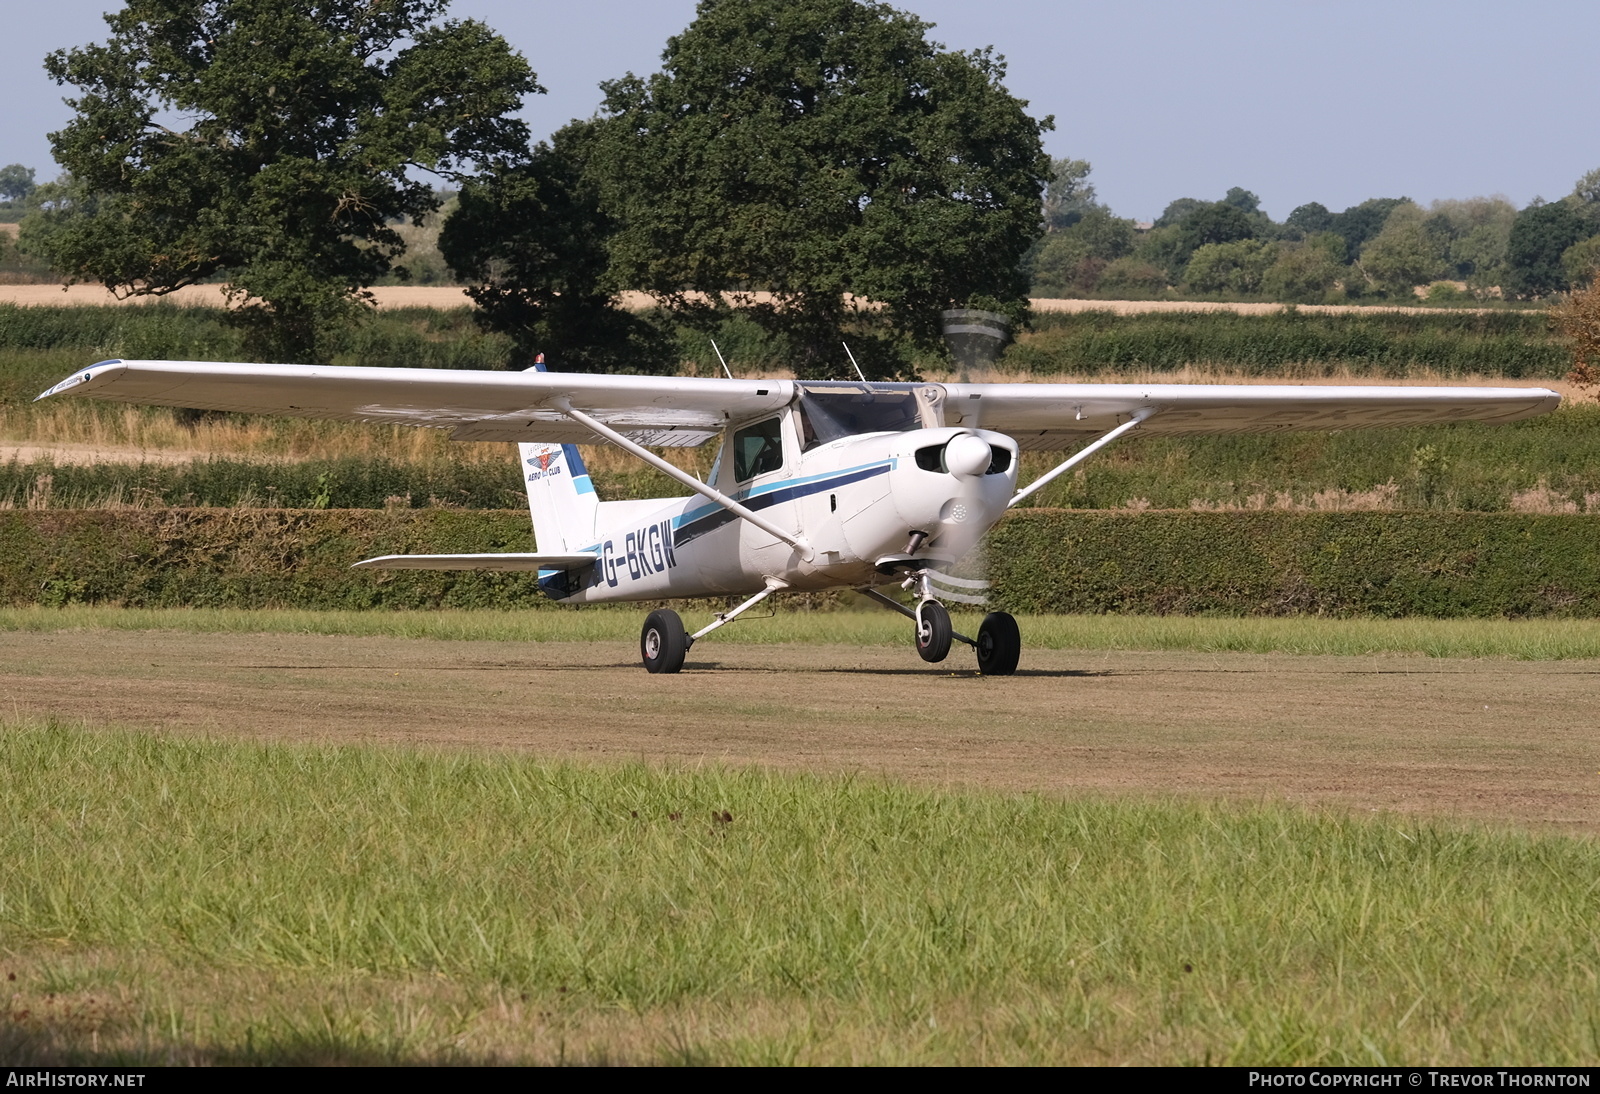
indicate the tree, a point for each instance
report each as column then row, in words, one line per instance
column 306, row 125
column 1308, row 219
column 1070, row 261
column 1242, row 200
column 1587, row 189
column 1178, row 211
column 1304, row 272
column 1236, row 268
column 826, row 153
column 1539, row 237
column 1132, row 278
column 16, row 182
column 1188, row 225
column 1581, row 262
column 1405, row 254
column 1579, row 319
column 1360, row 223
column 1475, row 233
column 1069, row 196
column 532, row 243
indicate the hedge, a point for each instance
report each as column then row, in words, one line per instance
column 1291, row 563
column 1049, row 560
column 255, row 558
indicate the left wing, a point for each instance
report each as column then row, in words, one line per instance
column 1044, row 417
column 473, row 405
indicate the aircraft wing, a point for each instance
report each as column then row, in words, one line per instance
column 474, row 405
column 1043, row 417
column 685, row 411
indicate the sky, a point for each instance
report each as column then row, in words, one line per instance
column 1334, row 101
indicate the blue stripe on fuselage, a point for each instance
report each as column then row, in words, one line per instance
column 707, row 518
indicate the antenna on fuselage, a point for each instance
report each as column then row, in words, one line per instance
column 725, row 367
column 859, row 373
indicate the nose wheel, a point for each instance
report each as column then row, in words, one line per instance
column 933, row 631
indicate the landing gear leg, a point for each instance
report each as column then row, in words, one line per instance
column 662, row 643
column 999, row 644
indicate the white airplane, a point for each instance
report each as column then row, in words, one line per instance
column 853, row 485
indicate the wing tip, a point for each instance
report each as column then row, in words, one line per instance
column 82, row 376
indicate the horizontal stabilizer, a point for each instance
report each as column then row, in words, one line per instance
column 576, row 561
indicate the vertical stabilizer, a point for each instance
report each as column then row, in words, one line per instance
column 561, row 499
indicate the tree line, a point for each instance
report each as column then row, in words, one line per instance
column 818, row 167
column 819, row 153
column 1380, row 249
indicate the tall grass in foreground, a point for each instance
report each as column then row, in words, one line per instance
column 1517, row 639
column 742, row 916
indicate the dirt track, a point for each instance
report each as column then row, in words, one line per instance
column 1487, row 740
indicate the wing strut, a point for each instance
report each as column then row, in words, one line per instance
column 1139, row 416
column 564, row 405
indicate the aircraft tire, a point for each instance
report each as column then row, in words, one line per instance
column 663, row 643
column 933, row 632
column 999, row 644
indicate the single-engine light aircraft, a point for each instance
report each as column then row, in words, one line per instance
column 818, row 485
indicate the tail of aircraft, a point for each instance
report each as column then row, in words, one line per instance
column 561, row 498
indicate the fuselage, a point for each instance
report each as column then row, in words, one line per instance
column 855, row 498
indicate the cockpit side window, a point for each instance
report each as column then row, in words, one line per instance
column 757, row 449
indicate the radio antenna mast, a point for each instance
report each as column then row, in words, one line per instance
column 859, row 373
column 725, row 367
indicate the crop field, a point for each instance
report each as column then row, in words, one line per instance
column 477, row 837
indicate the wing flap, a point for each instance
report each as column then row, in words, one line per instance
column 507, row 563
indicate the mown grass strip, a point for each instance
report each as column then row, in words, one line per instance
column 1518, row 639
column 913, row 924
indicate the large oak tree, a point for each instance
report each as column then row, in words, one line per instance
column 273, row 143
column 827, row 153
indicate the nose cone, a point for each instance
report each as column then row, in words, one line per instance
column 967, row 456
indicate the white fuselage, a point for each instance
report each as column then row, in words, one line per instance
column 855, row 500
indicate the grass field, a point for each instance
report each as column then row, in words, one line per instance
column 188, row 900
column 1517, row 639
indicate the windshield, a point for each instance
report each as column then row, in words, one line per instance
column 831, row 411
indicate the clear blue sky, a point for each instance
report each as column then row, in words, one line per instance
column 1336, row 101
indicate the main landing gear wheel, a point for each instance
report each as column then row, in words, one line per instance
column 933, row 631
column 999, row 644
column 662, row 643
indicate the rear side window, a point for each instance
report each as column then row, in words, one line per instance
column 757, row 449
